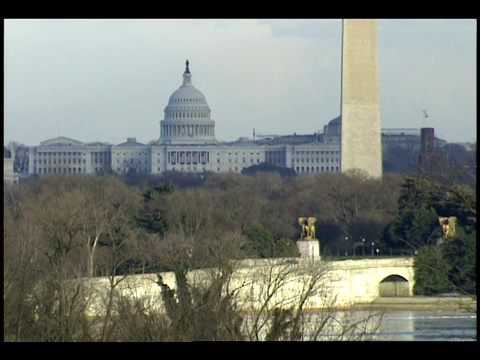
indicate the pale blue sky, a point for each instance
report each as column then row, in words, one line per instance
column 106, row 80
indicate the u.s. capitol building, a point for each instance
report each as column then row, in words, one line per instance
column 187, row 143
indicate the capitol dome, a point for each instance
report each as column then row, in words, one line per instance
column 187, row 116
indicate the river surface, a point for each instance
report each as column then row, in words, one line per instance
column 394, row 325
column 421, row 325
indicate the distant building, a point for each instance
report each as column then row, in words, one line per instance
column 9, row 176
column 62, row 155
column 407, row 137
column 187, row 144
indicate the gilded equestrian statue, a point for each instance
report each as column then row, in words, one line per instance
column 307, row 225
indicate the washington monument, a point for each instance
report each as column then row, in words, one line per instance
column 361, row 142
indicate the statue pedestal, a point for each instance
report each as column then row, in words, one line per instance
column 309, row 249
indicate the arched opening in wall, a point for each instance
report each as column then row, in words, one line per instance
column 393, row 286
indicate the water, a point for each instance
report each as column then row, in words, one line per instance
column 429, row 326
column 395, row 325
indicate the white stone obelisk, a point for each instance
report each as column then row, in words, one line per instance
column 361, row 136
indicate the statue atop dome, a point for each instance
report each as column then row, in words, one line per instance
column 187, row 70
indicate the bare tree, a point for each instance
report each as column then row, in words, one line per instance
column 42, row 309
column 359, row 205
column 60, row 222
column 108, row 208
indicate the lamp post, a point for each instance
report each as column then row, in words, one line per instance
column 346, row 244
column 363, row 247
column 373, row 244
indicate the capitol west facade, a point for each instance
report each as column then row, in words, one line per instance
column 188, row 144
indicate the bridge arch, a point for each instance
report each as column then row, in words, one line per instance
column 394, row 285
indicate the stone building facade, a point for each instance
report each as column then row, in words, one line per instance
column 187, row 143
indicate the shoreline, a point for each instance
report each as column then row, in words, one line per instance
column 463, row 303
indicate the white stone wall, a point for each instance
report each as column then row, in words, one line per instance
column 158, row 159
column 272, row 282
column 136, row 157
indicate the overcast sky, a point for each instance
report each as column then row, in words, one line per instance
column 106, row 80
